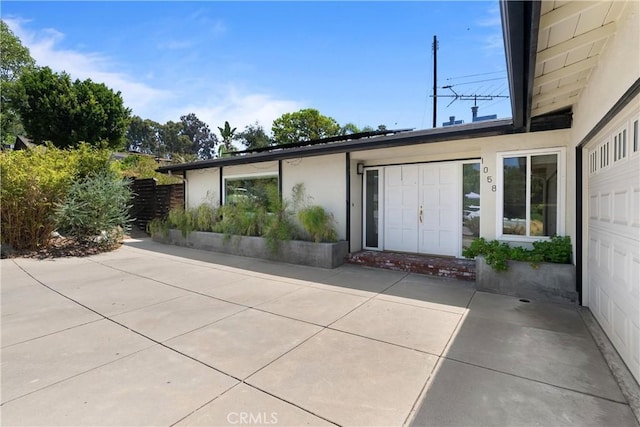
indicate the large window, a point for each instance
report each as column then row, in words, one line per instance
column 530, row 194
column 258, row 189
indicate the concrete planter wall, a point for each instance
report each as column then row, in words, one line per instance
column 543, row 282
column 325, row 255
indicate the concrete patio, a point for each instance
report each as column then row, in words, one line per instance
column 161, row 335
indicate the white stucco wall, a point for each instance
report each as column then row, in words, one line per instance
column 618, row 68
column 485, row 149
column 356, row 208
column 203, row 186
column 324, row 179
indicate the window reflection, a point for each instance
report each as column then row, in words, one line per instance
column 470, row 202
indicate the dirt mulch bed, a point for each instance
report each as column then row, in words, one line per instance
column 61, row 246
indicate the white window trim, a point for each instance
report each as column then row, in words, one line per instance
column 243, row 175
column 380, row 246
column 621, row 132
column 562, row 183
column 630, row 149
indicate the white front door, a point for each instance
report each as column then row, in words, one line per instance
column 440, row 211
column 401, row 208
column 422, row 208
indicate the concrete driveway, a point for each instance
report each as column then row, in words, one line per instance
column 160, row 335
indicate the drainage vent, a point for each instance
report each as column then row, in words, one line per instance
column 524, row 300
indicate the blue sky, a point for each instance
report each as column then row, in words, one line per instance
column 369, row 63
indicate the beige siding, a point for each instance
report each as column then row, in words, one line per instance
column 203, row 186
column 618, row 68
column 324, row 179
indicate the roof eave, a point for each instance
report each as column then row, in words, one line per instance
column 472, row 130
column 520, row 24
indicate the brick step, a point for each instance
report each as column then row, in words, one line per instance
column 454, row 268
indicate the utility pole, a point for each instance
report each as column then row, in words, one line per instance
column 435, row 79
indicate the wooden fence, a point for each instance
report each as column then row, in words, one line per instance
column 151, row 200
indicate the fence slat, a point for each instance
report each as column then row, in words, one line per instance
column 151, row 200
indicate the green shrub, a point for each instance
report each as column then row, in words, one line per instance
column 158, row 227
column 140, row 166
column 33, row 181
column 318, row 223
column 558, row 249
column 204, row 217
column 96, row 206
column 245, row 217
column 496, row 254
column 182, row 220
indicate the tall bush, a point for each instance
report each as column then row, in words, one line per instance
column 96, row 209
column 33, row 181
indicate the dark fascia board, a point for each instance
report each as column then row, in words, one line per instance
column 520, row 26
column 450, row 133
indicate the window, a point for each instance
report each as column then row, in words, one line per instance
column 593, row 162
column 530, row 197
column 470, row 202
column 635, row 136
column 604, row 155
column 253, row 189
column 620, row 145
column 372, row 223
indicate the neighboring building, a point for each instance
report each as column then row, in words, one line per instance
column 567, row 163
column 476, row 118
column 23, row 143
column 452, row 121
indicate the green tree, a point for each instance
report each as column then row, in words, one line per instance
column 14, row 58
column 66, row 113
column 254, row 136
column 100, row 115
column 227, row 134
column 349, row 128
column 142, row 136
column 304, row 125
column 203, row 141
column 173, row 140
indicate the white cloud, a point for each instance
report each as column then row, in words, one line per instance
column 238, row 107
column 217, row 101
column 492, row 20
column 493, row 42
column 44, row 48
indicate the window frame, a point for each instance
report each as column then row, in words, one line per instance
column 634, row 132
column 562, row 183
column 381, row 218
column 255, row 175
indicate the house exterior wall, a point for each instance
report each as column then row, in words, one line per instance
column 324, row 179
column 486, row 150
column 618, row 68
column 356, row 208
column 203, row 186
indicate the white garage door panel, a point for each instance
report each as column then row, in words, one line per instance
column 613, row 264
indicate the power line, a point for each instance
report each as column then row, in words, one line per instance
column 477, row 81
column 475, row 75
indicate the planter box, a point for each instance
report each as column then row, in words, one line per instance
column 543, row 282
column 325, row 255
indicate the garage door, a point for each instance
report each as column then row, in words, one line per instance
column 613, row 239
